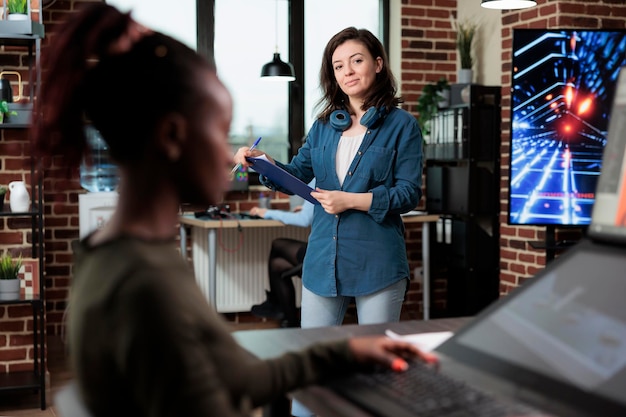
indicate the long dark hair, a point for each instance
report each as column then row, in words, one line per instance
column 384, row 90
column 122, row 94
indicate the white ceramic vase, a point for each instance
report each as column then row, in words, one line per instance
column 19, row 199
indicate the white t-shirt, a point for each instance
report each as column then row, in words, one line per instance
column 346, row 150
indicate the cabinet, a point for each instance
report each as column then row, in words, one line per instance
column 25, row 36
column 463, row 184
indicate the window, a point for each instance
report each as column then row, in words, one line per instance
column 178, row 22
column 245, row 38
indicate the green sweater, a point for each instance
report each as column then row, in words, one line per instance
column 143, row 341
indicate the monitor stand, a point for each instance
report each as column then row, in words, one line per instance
column 551, row 245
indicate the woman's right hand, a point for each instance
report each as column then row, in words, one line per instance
column 388, row 352
column 245, row 152
column 258, row 211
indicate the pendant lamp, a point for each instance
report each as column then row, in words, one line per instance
column 277, row 69
column 508, row 4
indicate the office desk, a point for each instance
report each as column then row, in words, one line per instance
column 271, row 343
column 425, row 219
column 205, row 255
column 231, row 278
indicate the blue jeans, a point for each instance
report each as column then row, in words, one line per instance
column 380, row 307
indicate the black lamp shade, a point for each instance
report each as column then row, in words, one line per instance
column 278, row 70
column 508, row 4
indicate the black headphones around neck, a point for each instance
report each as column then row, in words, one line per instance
column 340, row 119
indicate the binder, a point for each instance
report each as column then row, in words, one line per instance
column 282, row 178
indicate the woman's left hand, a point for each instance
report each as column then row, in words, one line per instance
column 336, row 202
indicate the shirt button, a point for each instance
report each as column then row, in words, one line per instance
column 360, row 153
column 334, row 237
column 336, row 216
column 349, row 173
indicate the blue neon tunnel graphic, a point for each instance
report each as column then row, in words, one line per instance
column 562, row 92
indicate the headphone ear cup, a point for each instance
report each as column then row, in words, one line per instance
column 340, row 120
column 371, row 116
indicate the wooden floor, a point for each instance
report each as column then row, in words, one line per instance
column 27, row 404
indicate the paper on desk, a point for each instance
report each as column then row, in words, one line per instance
column 424, row 341
column 413, row 213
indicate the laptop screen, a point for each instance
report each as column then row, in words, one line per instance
column 609, row 212
column 564, row 329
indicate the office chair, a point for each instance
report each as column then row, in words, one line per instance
column 296, row 271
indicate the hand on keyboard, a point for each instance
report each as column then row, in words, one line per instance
column 387, row 352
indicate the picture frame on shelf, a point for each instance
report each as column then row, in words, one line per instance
column 29, row 278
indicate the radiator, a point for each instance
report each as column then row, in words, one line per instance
column 242, row 257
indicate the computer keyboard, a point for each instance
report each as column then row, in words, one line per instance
column 424, row 392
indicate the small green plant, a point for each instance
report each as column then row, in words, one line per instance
column 3, row 191
column 17, row 6
column 428, row 102
column 9, row 267
column 5, row 112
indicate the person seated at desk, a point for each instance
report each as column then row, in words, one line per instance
column 142, row 339
column 285, row 255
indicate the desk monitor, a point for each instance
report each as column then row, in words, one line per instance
column 562, row 87
column 240, row 180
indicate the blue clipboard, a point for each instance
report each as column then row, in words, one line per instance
column 282, row 178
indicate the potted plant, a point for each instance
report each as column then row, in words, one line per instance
column 433, row 96
column 9, row 277
column 5, row 112
column 18, row 9
column 465, row 32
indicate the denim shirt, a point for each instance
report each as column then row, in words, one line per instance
column 357, row 253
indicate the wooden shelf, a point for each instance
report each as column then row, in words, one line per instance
column 19, row 381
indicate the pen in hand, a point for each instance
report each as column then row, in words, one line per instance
column 254, row 145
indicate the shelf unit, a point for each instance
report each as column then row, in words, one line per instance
column 28, row 35
column 462, row 184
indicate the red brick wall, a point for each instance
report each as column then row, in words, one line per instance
column 518, row 261
column 428, row 53
column 428, row 46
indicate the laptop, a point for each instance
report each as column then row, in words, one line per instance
column 555, row 346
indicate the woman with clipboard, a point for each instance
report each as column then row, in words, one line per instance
column 366, row 156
